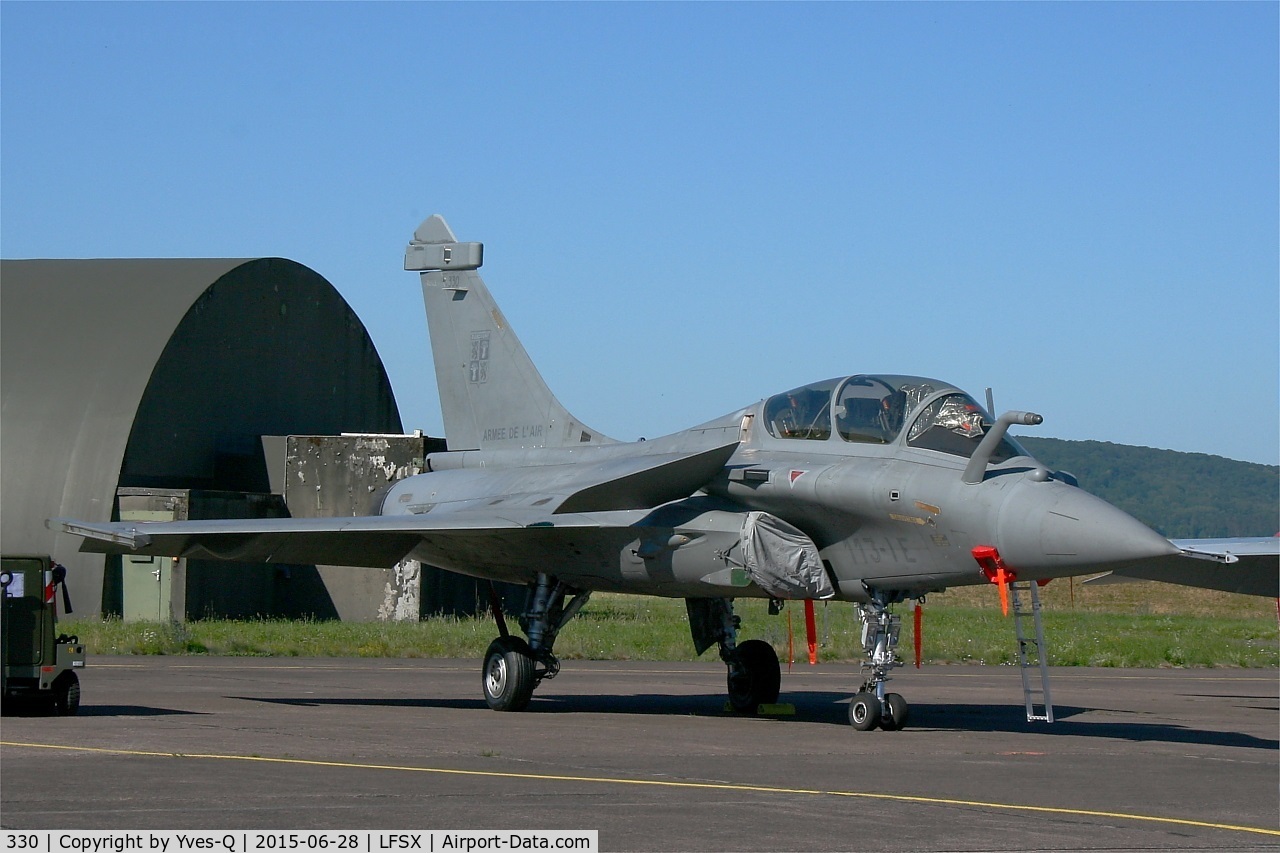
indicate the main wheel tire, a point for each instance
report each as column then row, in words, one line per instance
column 508, row 676
column 864, row 711
column 895, row 712
column 758, row 680
column 66, row 695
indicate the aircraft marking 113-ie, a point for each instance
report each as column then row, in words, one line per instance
column 872, row 489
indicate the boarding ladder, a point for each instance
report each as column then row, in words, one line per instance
column 1026, row 605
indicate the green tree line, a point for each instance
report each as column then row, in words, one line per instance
column 1181, row 495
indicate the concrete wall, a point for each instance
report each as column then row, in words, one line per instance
column 341, row 476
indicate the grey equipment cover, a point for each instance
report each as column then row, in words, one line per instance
column 782, row 560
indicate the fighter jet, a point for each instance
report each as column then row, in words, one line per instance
column 869, row 488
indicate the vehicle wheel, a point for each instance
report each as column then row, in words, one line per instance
column 894, row 715
column 864, row 711
column 508, row 674
column 758, row 680
column 66, row 695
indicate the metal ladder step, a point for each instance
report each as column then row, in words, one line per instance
column 1032, row 694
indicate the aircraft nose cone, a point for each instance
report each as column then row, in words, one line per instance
column 1049, row 529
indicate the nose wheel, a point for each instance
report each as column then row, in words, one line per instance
column 893, row 715
column 865, row 711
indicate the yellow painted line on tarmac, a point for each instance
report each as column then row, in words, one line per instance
column 663, row 783
column 272, row 666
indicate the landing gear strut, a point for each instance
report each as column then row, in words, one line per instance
column 871, row 705
column 513, row 667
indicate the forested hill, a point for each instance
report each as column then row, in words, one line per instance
column 1182, row 495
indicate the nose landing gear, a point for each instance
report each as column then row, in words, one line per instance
column 872, row 706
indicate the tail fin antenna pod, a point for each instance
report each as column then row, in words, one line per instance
column 491, row 395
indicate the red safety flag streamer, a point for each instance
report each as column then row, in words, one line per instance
column 996, row 571
column 919, row 636
column 811, row 631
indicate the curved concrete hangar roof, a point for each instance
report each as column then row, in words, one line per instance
column 165, row 373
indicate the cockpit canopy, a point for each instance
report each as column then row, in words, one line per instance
column 875, row 410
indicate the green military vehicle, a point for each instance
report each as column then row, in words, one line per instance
column 39, row 668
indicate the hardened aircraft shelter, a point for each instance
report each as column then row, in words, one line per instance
column 149, row 388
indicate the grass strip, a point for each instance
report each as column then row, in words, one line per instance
column 965, row 629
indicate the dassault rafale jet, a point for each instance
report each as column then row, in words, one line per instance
column 874, row 489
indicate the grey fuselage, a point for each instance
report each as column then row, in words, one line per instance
column 887, row 509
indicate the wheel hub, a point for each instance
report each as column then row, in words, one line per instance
column 495, row 680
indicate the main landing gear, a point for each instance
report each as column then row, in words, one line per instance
column 514, row 667
column 871, row 705
column 754, row 676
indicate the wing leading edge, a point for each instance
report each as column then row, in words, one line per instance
column 381, row 541
column 367, row 541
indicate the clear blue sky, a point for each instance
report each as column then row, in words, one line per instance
column 686, row 208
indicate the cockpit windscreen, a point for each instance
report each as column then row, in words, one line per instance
column 875, row 409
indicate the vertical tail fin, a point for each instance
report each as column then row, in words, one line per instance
column 491, row 395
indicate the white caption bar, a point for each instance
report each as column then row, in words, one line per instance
column 302, row 841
